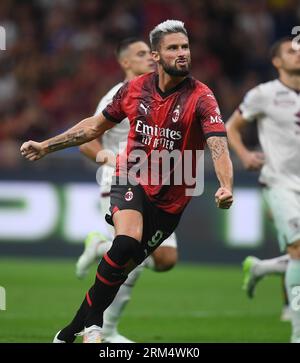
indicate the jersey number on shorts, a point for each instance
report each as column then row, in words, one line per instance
column 155, row 238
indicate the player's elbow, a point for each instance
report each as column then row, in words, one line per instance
column 235, row 123
column 230, row 126
column 83, row 148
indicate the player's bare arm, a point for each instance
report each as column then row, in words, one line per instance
column 223, row 167
column 86, row 130
column 91, row 149
column 94, row 151
column 252, row 160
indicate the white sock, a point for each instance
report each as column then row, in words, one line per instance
column 149, row 263
column 277, row 265
column 292, row 281
column 103, row 247
column 113, row 313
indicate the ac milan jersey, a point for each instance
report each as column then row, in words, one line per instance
column 174, row 121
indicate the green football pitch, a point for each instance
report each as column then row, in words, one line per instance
column 191, row 303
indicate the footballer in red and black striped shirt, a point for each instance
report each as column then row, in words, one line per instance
column 180, row 118
column 168, row 110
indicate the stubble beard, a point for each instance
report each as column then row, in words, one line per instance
column 173, row 71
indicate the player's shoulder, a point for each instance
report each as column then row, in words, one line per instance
column 139, row 80
column 266, row 89
column 199, row 86
column 114, row 90
column 200, row 89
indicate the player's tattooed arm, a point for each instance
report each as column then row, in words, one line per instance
column 223, row 166
column 86, row 130
column 218, row 146
column 62, row 141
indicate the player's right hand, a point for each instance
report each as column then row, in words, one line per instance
column 32, row 150
column 253, row 160
column 224, row 198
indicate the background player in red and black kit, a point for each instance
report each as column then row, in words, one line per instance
column 168, row 110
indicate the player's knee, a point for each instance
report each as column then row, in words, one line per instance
column 294, row 250
column 126, row 249
column 165, row 258
column 131, row 230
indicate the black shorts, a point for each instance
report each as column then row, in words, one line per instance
column 158, row 225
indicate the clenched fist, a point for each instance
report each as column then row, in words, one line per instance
column 32, row 150
column 223, row 198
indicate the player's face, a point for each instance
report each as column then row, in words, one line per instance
column 174, row 54
column 139, row 59
column 289, row 58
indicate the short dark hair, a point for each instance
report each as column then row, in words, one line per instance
column 125, row 43
column 276, row 47
column 166, row 27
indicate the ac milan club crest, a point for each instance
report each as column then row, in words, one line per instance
column 128, row 195
column 176, row 114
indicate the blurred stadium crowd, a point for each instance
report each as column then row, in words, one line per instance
column 60, row 55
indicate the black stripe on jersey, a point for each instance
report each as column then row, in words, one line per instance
column 216, row 133
column 109, row 117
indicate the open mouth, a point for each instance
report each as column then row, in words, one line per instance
column 182, row 62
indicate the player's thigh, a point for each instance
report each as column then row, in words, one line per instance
column 165, row 258
column 285, row 209
column 158, row 227
column 128, row 222
column 126, row 208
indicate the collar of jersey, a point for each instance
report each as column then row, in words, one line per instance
column 290, row 88
column 171, row 90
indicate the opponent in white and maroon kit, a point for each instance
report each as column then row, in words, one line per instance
column 276, row 107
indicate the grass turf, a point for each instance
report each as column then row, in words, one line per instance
column 191, row 303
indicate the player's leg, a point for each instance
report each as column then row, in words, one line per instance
column 96, row 248
column 97, row 243
column 292, row 283
column 164, row 258
column 278, row 201
column 113, row 313
column 133, row 216
column 285, row 207
column 286, row 311
column 255, row 269
column 150, row 229
column 126, row 253
column 123, row 256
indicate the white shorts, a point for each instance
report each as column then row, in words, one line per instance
column 107, row 173
column 284, row 205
